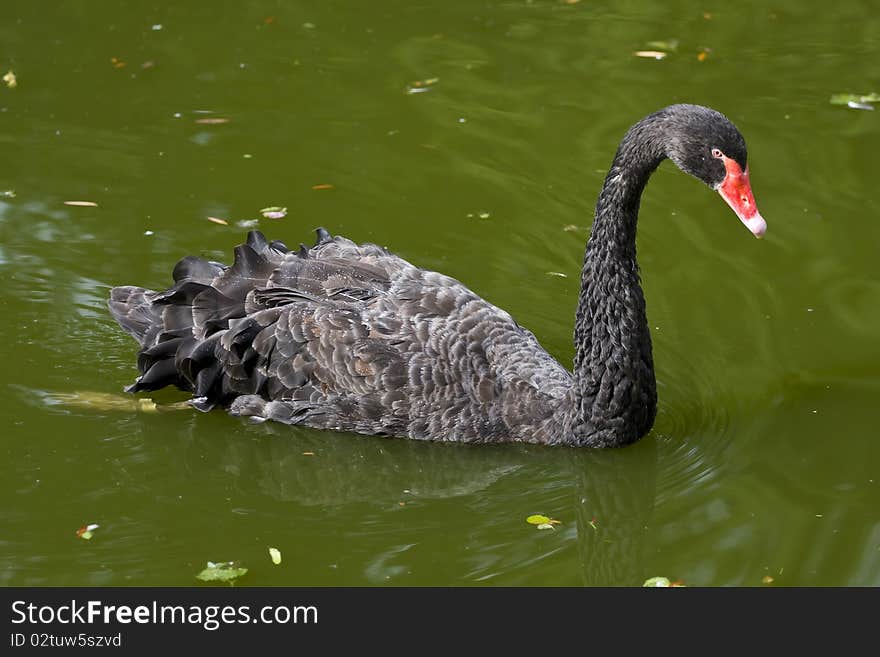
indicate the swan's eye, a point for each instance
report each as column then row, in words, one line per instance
column 717, row 153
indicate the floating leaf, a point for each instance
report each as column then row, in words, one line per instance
column 856, row 101
column 10, row 80
column 659, row 582
column 212, row 120
column 542, row 522
column 106, row 401
column 275, row 554
column 767, row 579
column 308, row 453
column 650, row 54
column 218, row 220
column 843, row 99
column 85, row 532
column 117, row 63
column 703, row 54
column 557, row 273
column 82, row 204
column 9, row 193
column 322, row 186
column 670, row 45
column 594, row 525
column 421, row 86
column 274, row 212
column 221, row 572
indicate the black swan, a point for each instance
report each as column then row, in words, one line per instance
column 351, row 337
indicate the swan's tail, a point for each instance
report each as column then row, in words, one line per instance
column 198, row 334
column 132, row 308
column 173, row 327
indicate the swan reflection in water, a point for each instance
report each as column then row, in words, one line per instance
column 380, row 499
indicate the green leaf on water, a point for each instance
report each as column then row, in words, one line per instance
column 660, row 582
column 669, row 45
column 221, row 572
column 542, row 522
column 85, row 531
column 855, row 101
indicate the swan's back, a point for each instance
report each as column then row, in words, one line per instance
column 344, row 336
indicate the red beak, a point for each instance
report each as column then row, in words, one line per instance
column 736, row 190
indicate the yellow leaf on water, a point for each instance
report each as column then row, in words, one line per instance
column 421, row 86
column 274, row 212
column 425, row 83
column 650, row 54
column 218, row 220
column 10, row 80
column 537, row 519
column 82, row 204
column 275, row 555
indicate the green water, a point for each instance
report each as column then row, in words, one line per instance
column 764, row 458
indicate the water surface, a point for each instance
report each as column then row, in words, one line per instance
column 764, row 458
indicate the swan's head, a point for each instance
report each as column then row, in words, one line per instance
column 705, row 144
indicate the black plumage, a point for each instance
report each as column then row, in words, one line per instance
column 351, row 337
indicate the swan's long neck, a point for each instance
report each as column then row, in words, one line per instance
column 615, row 395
